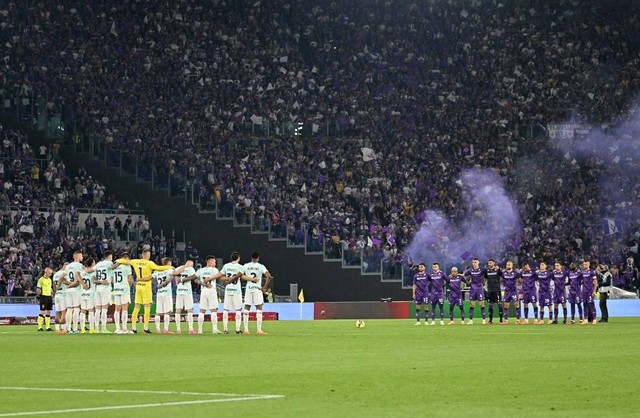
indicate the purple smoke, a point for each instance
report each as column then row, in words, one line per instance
column 487, row 229
column 615, row 153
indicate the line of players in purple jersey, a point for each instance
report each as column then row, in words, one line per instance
column 519, row 288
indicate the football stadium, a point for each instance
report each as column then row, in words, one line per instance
column 319, row 209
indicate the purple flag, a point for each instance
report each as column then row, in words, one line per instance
column 465, row 255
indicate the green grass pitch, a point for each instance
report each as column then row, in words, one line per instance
column 390, row 368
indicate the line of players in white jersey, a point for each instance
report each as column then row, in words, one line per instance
column 83, row 290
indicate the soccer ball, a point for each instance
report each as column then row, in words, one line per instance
column 359, row 323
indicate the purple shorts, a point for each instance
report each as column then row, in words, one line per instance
column 529, row 297
column 455, row 301
column 476, row 294
column 559, row 297
column 436, row 298
column 587, row 297
column 545, row 298
column 574, row 298
column 421, row 297
column 510, row 296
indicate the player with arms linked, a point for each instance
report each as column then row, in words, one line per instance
column 478, row 276
column 420, row 292
column 454, row 284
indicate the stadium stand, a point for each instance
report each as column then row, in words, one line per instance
column 275, row 102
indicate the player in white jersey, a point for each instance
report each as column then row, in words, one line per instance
column 73, row 281
column 60, row 299
column 253, row 274
column 233, row 272
column 164, row 296
column 184, row 295
column 122, row 282
column 88, row 297
column 102, row 282
column 209, row 294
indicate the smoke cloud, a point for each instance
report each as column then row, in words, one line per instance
column 489, row 224
column 615, row 152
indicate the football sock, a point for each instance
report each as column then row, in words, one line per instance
column 506, row 314
column 225, row 320
column 76, row 317
column 518, row 313
column 441, row 305
column 238, row 320
column 542, row 313
column 245, row 319
column 190, row 320
column 462, row 312
column 177, row 321
column 483, row 312
column 156, row 319
column 134, row 317
column 580, row 313
column 214, row 321
column 564, row 312
column 526, row 311
column 501, row 313
column 535, row 312
column 104, row 317
column 417, row 313
column 147, row 317
column 556, row 311
column 167, row 320
column 471, row 309
column 491, row 313
column 125, row 318
column 259, row 320
column 40, row 321
column 200, row 321
column 433, row 311
column 83, row 320
column 116, row 319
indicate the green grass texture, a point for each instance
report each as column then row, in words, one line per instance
column 389, row 368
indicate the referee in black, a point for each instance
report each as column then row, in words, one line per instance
column 494, row 294
column 45, row 298
column 604, row 285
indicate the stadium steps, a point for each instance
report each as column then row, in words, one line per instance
column 218, row 235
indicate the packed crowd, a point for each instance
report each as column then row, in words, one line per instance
column 40, row 212
column 432, row 89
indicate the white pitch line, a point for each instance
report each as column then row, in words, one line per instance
column 147, row 405
column 149, row 392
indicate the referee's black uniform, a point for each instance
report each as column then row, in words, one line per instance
column 604, row 283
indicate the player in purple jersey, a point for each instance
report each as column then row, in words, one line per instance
column 529, row 279
column 454, row 283
column 559, row 291
column 575, row 292
column 437, row 280
column 420, row 294
column 509, row 280
column 589, row 285
column 476, row 293
column 544, row 292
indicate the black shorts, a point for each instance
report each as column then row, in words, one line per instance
column 46, row 303
column 494, row 297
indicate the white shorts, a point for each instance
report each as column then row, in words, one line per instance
column 73, row 299
column 164, row 304
column 61, row 302
column 184, row 301
column 87, row 303
column 232, row 302
column 253, row 298
column 122, row 299
column 209, row 299
column 103, row 297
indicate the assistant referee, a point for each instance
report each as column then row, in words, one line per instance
column 43, row 291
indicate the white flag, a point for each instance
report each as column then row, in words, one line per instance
column 368, row 154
